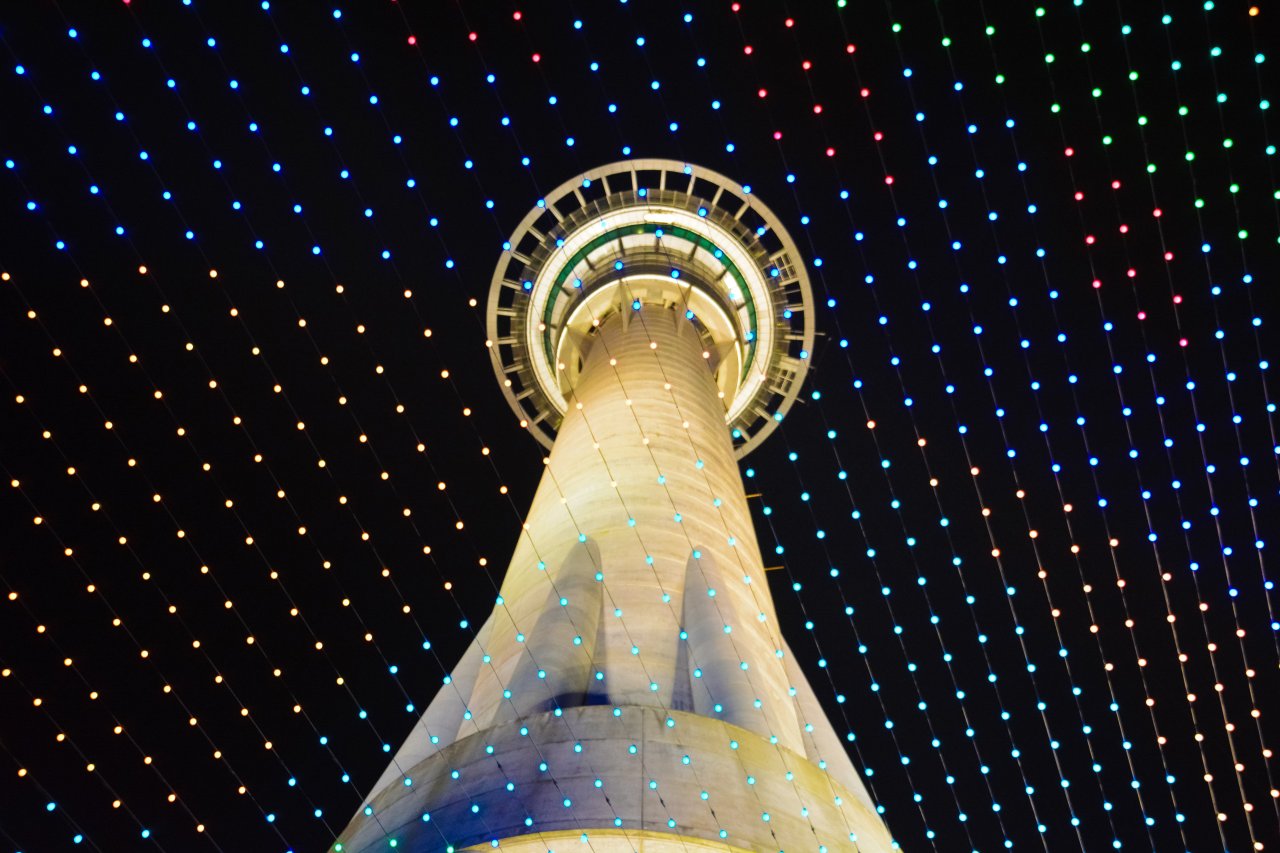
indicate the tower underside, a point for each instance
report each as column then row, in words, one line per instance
column 631, row 689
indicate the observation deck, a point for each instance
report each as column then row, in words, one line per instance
column 652, row 232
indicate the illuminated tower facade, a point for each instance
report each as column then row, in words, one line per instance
column 650, row 324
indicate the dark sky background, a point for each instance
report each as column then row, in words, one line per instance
column 251, row 517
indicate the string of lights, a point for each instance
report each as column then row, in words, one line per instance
column 362, row 155
column 517, row 17
column 1251, row 501
column 51, row 804
column 1087, row 587
column 904, row 389
column 1013, row 303
column 118, row 728
column 1152, row 535
column 796, row 585
column 889, row 723
column 723, row 831
column 673, row 127
column 340, row 681
column 249, row 539
column 320, row 644
column 921, row 442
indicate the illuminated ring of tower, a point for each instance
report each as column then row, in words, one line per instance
column 652, row 232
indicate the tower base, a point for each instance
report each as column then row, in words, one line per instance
column 667, row 780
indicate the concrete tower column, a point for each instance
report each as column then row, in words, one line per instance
column 644, row 469
column 631, row 690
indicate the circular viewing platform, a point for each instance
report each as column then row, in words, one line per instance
column 652, row 232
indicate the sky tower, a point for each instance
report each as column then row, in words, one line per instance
column 650, row 324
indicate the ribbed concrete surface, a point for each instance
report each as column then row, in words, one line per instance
column 639, row 530
column 762, row 797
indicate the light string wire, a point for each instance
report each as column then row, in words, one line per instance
column 220, row 589
column 1270, row 149
column 23, row 773
column 1247, row 279
column 1141, row 315
column 557, row 592
column 1176, row 300
column 62, row 737
column 92, row 588
column 789, row 23
column 996, row 552
column 1032, row 533
column 146, row 576
column 796, row 585
column 353, row 54
column 904, row 760
column 1152, row 534
column 1242, row 235
column 1063, row 652
column 1210, row 469
column 323, row 739
column 1067, row 507
column 69, row 661
column 921, row 443
column 777, row 135
column 851, row 50
column 1087, row 587
column 910, row 667
column 1168, row 443
column 552, row 100
column 1251, row 502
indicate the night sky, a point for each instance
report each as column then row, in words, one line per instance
column 260, row 484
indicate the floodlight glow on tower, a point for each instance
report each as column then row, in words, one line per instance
column 649, row 323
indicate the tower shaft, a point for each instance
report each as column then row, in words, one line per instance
column 631, row 688
column 641, row 461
